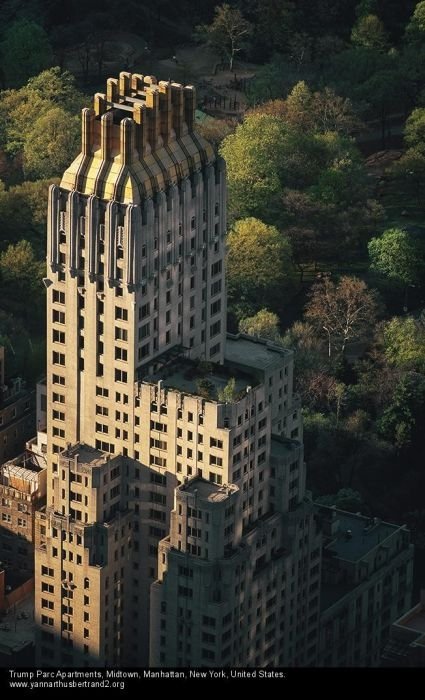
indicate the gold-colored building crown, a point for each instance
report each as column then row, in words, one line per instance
column 139, row 139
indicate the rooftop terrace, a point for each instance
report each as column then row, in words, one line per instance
column 356, row 534
column 255, row 353
column 202, row 378
column 86, row 454
column 207, row 491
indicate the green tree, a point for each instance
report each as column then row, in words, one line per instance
column 33, row 113
column 228, row 33
column 25, row 51
column 404, row 343
column 399, row 256
column 403, row 420
column 369, row 33
column 414, row 132
column 253, row 156
column 264, row 324
column 23, row 212
column 416, row 24
column 21, row 280
column 259, row 263
column 228, row 393
column 342, row 312
column 309, row 350
column 52, row 144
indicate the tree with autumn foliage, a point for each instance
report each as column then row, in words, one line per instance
column 342, row 312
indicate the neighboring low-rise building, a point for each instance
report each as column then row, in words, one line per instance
column 367, row 568
column 406, row 646
column 22, row 493
column 17, row 416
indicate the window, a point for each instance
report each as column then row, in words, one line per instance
column 57, row 379
column 144, row 311
column 47, row 620
column 58, row 297
column 58, row 316
column 143, row 351
column 215, row 329
column 101, row 410
column 121, row 354
column 121, row 334
column 120, row 376
column 215, row 307
column 58, row 358
column 216, row 443
column 144, row 331
column 215, row 349
column 215, row 288
column 216, row 268
column 216, row 460
column 121, row 314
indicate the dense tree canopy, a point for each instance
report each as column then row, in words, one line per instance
column 25, row 51
column 259, row 263
column 399, row 256
column 38, row 123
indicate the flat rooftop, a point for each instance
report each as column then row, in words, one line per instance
column 281, row 447
column 17, row 626
column 86, row 454
column 208, row 491
column 357, row 535
column 186, row 375
column 254, row 353
column 414, row 619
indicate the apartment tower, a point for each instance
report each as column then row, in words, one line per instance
column 135, row 279
column 178, row 530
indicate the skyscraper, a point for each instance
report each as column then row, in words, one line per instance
column 178, row 530
column 135, row 280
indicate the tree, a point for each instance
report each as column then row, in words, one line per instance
column 259, row 263
column 403, row 420
column 21, row 272
column 416, row 25
column 399, row 256
column 343, row 312
column 227, row 394
column 414, row 132
column 25, row 51
column 369, row 33
column 215, row 130
column 274, row 22
column 264, row 324
column 309, row 355
column 23, row 212
column 404, row 343
column 23, row 120
column 228, row 32
column 253, row 155
column 52, row 144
